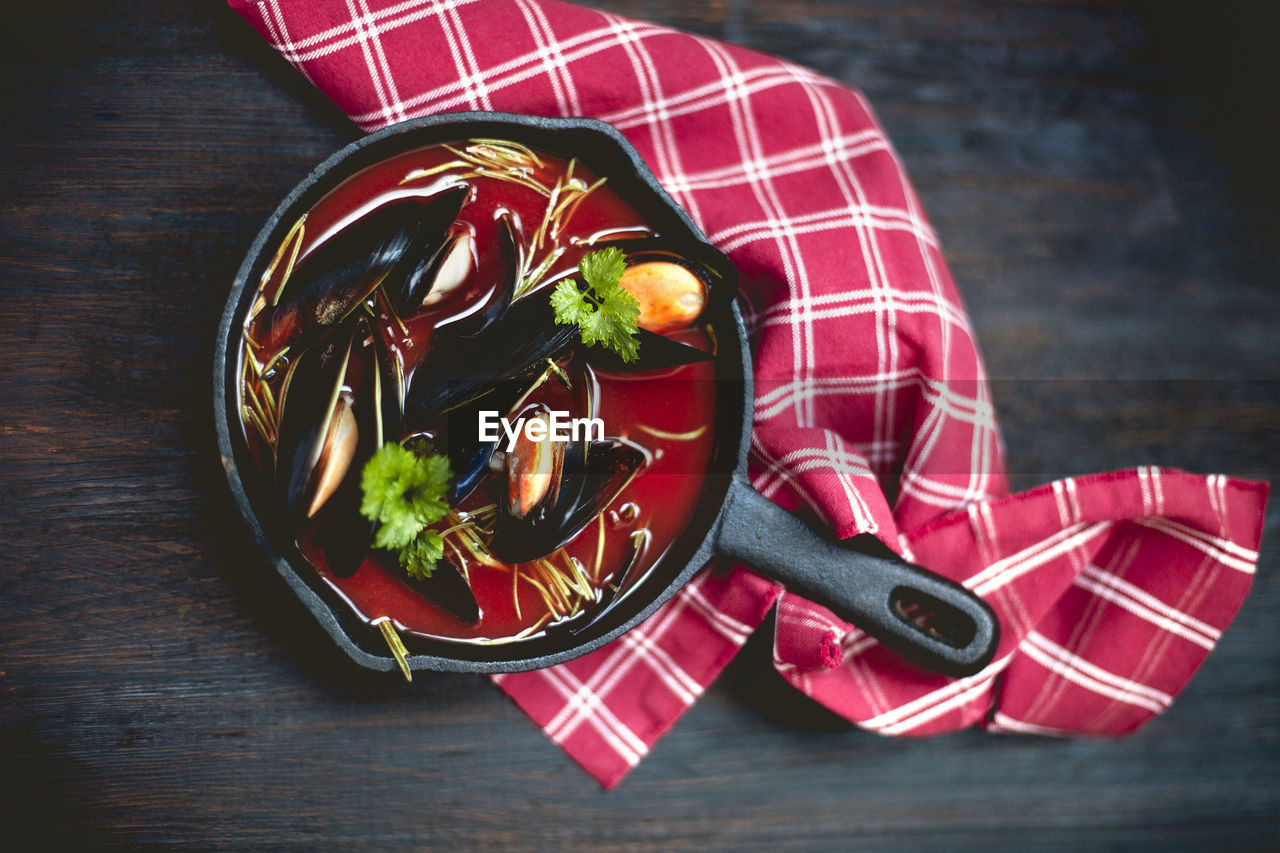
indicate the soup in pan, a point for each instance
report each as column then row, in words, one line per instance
column 478, row 386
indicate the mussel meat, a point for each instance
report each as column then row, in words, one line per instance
column 552, row 492
column 533, row 468
column 452, row 267
column 670, row 294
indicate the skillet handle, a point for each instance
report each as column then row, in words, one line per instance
column 882, row 595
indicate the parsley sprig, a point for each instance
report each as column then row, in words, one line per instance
column 604, row 312
column 404, row 493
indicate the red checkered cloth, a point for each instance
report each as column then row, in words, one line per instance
column 1111, row 588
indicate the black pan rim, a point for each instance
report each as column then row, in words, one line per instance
column 733, row 415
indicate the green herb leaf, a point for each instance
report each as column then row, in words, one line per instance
column 604, row 312
column 403, row 493
column 612, row 325
column 419, row 557
column 570, row 304
column 603, row 268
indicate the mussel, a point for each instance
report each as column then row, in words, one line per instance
column 328, row 431
column 460, row 369
column 656, row 352
column 469, row 454
column 341, row 532
column 318, row 434
column 450, row 268
column 502, row 268
column 553, row 490
column 673, row 285
column 386, row 244
column 442, row 258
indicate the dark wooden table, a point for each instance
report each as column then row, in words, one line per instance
column 1103, row 177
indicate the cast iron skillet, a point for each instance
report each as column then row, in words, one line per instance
column 875, row 591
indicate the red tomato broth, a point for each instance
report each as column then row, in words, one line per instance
column 661, row 498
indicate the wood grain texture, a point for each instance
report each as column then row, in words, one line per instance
column 1102, row 181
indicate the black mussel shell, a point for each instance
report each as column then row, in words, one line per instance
column 338, row 527
column 429, row 250
column 341, row 272
column 656, row 352
column 459, row 369
column 310, row 399
column 340, row 530
column 592, row 475
column 448, row 588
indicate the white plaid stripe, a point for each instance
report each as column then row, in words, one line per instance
column 849, row 216
column 1222, row 550
column 345, row 35
column 553, row 59
column 1146, row 606
column 787, row 162
column 1091, row 676
column 583, row 704
column 274, row 19
column 510, row 73
column 910, row 714
column 375, row 61
column 776, row 475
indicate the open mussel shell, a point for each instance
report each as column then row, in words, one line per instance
column 432, row 254
column 386, row 244
column 706, row 262
column 448, row 588
column 461, row 369
column 701, row 268
column 695, row 275
column 502, row 267
column 340, row 530
column 592, row 474
column 329, row 431
column 317, row 434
